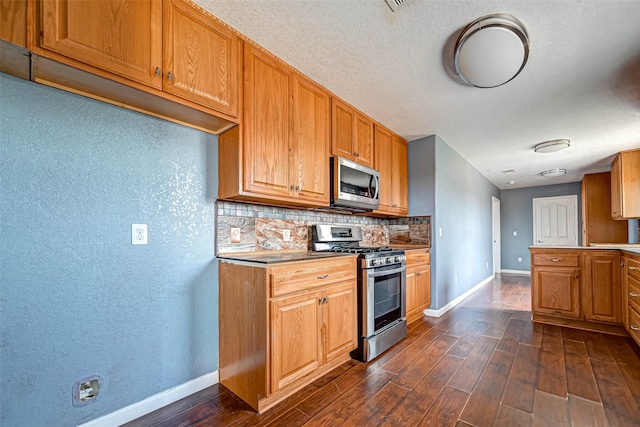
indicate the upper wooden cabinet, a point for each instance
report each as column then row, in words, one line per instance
column 167, row 58
column 123, row 37
column 597, row 224
column 280, row 154
column 351, row 133
column 200, row 58
column 625, row 185
column 391, row 156
column 13, row 21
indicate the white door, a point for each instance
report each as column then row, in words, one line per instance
column 495, row 222
column 555, row 221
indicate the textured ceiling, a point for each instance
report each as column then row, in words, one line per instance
column 582, row 79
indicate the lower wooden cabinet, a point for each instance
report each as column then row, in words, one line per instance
column 418, row 283
column 631, row 294
column 556, row 291
column 581, row 288
column 602, row 290
column 284, row 325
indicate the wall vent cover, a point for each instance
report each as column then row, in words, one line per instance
column 395, row 4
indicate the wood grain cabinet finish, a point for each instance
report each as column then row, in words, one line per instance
column 123, row 37
column 418, row 287
column 601, row 284
column 625, row 185
column 631, row 294
column 556, row 291
column 280, row 153
column 282, row 326
column 580, row 288
column 167, row 58
column 13, row 21
column 200, row 58
column 391, row 160
column 351, row 133
column 597, row 224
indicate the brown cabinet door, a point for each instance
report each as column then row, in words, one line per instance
column 411, row 301
column 601, row 287
column 383, row 163
column 423, row 287
column 311, row 145
column 363, row 140
column 13, row 21
column 200, row 58
column 399, row 161
column 339, row 321
column 342, row 125
column 123, row 37
column 295, row 349
column 266, row 153
column 616, row 188
column 597, row 223
column 555, row 291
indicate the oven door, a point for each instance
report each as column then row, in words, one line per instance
column 384, row 298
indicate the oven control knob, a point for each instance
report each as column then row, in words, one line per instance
column 397, row 258
column 375, row 262
column 389, row 260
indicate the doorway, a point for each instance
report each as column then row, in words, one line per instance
column 555, row 221
column 495, row 234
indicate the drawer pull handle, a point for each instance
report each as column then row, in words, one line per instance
column 324, row 276
column 555, row 260
column 635, row 328
column 634, row 268
column 633, row 294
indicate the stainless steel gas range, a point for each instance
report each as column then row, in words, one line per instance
column 381, row 288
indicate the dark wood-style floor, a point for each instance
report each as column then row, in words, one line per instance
column 483, row 363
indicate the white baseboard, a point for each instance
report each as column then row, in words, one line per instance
column 521, row 272
column 152, row 403
column 443, row 310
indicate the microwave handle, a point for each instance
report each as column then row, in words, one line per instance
column 377, row 178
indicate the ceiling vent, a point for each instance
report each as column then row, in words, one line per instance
column 395, row 4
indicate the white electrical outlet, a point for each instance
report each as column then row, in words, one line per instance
column 139, row 234
column 286, row 235
column 235, row 235
column 519, row 259
column 440, row 231
column 515, row 233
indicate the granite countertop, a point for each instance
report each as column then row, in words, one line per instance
column 408, row 247
column 633, row 248
column 276, row 257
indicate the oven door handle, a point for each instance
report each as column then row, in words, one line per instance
column 377, row 273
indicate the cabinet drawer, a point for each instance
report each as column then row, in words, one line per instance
column 633, row 268
column 634, row 293
column 417, row 257
column 634, row 325
column 297, row 277
column 561, row 260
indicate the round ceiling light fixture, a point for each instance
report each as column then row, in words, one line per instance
column 553, row 172
column 552, row 146
column 491, row 51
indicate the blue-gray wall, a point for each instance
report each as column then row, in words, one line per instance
column 516, row 214
column 458, row 198
column 76, row 298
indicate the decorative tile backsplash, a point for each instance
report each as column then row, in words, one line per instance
column 261, row 228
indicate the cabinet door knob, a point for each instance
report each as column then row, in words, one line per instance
column 170, row 76
column 633, row 294
column 298, row 188
column 158, row 72
column 324, row 276
column 326, row 300
column 635, row 328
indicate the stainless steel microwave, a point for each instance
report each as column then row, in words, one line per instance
column 354, row 187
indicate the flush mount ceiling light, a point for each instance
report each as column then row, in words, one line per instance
column 552, row 146
column 491, row 51
column 553, row 172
